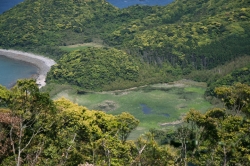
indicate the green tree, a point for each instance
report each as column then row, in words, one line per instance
column 149, row 152
column 27, row 110
column 219, row 138
column 127, row 123
column 235, row 97
column 78, row 135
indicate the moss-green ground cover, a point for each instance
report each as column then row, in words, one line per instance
column 70, row 48
column 167, row 103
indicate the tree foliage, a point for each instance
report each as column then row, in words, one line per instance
column 178, row 38
column 38, row 131
column 235, row 97
column 186, row 34
column 24, row 120
column 220, row 136
column 194, row 32
column 237, row 76
column 92, row 68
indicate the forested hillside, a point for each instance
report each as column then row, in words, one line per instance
column 174, row 40
column 94, row 68
column 47, row 22
column 240, row 75
column 202, row 33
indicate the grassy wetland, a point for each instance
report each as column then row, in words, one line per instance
column 157, row 106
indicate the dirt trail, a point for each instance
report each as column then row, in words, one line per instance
column 172, row 123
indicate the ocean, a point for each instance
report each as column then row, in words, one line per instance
column 7, row 4
column 12, row 70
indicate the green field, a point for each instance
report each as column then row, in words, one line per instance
column 167, row 103
column 70, row 48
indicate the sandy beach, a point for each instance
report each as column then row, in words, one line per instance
column 43, row 63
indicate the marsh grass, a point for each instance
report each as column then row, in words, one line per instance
column 173, row 101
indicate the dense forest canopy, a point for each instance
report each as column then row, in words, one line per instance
column 139, row 45
column 95, row 67
column 174, row 39
column 184, row 32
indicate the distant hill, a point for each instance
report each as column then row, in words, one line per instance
column 7, row 4
column 178, row 38
column 49, row 22
column 203, row 33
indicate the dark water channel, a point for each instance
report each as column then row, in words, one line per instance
column 146, row 110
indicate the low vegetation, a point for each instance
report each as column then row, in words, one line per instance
column 152, row 105
column 36, row 130
column 70, row 48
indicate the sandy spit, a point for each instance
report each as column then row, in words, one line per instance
column 43, row 63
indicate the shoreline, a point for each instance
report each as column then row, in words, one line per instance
column 42, row 63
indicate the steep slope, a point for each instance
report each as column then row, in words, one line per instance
column 239, row 75
column 52, row 22
column 178, row 38
column 203, row 33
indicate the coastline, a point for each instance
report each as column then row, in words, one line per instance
column 42, row 63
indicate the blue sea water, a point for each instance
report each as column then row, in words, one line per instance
column 7, row 4
column 12, row 70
